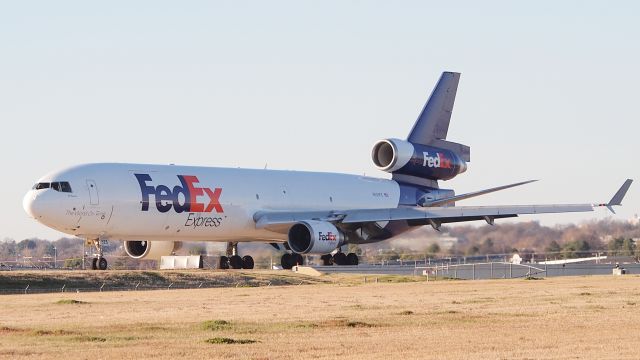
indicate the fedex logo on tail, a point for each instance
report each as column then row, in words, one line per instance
column 438, row 161
column 196, row 199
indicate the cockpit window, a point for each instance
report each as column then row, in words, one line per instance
column 61, row 186
column 39, row 186
column 65, row 186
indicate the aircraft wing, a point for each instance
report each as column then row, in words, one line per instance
column 280, row 221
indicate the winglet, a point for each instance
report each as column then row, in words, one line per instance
column 620, row 194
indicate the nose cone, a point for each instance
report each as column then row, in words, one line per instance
column 29, row 204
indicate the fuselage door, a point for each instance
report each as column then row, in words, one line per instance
column 93, row 192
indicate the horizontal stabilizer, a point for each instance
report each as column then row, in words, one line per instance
column 445, row 201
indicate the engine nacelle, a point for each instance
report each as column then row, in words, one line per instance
column 150, row 250
column 402, row 157
column 314, row 237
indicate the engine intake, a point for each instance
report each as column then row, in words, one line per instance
column 314, row 237
column 402, row 157
column 150, row 250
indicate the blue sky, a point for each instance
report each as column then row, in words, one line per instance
column 548, row 90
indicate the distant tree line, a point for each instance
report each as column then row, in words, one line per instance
column 615, row 237
column 564, row 241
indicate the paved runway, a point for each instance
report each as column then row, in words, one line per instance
column 484, row 270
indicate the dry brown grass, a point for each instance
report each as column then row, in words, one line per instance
column 560, row 318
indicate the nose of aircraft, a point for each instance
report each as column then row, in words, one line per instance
column 29, row 204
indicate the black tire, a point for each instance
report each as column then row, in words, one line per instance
column 223, row 264
column 298, row 259
column 94, row 264
column 286, row 261
column 327, row 260
column 247, row 262
column 340, row 258
column 352, row 259
column 102, row 264
column 235, row 262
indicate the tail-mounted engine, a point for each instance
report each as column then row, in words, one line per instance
column 402, row 157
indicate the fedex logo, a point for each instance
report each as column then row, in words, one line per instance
column 194, row 198
column 438, row 161
column 328, row 237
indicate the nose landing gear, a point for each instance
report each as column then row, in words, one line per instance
column 98, row 262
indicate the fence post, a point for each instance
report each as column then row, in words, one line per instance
column 510, row 270
column 101, row 287
column 473, row 266
column 491, row 276
column 63, row 286
column 545, row 270
column 26, row 289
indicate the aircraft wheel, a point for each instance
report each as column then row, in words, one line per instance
column 235, row 262
column 102, row 264
column 247, row 262
column 223, row 264
column 94, row 264
column 286, row 261
column 327, row 259
column 298, row 259
column 340, row 258
column 352, row 259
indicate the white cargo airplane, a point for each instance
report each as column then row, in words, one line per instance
column 152, row 208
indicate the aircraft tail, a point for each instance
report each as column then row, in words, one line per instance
column 432, row 125
column 426, row 156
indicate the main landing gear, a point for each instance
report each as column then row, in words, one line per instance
column 340, row 258
column 98, row 262
column 233, row 260
column 289, row 260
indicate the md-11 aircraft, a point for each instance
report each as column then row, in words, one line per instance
column 153, row 208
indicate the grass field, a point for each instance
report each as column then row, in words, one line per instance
column 47, row 281
column 337, row 318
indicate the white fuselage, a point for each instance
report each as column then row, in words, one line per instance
column 108, row 201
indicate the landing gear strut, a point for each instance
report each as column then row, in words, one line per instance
column 233, row 260
column 98, row 262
